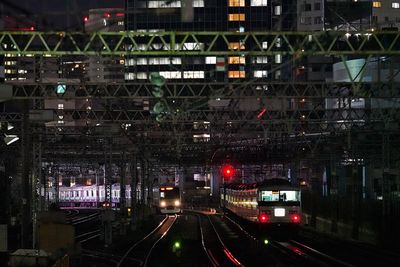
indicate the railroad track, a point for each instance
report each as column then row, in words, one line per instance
column 139, row 253
column 300, row 253
column 88, row 218
column 82, row 238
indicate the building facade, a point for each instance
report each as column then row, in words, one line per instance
column 98, row 68
column 209, row 15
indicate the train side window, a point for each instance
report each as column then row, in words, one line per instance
column 293, row 195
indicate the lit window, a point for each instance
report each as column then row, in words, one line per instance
column 211, row 60
column 60, row 106
column 236, row 46
column 129, row 76
column 163, row 4
column 141, row 76
column 236, row 3
column 395, row 5
column 198, row 3
column 236, row 74
column 236, row 17
column 171, row 74
column 260, row 60
column 193, row 46
column 277, row 10
column 278, row 58
column 376, row 4
column 259, row 2
column 237, row 60
column 277, row 74
column 193, row 74
column 261, row 74
column 120, row 23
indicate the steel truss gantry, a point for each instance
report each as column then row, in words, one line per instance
column 230, row 123
column 205, row 43
column 208, row 90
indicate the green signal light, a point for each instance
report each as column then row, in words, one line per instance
column 177, row 245
column 266, row 241
column 61, row 88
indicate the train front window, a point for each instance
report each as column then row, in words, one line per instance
column 170, row 194
column 280, row 196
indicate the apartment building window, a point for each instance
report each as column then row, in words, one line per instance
column 236, row 17
column 171, row 74
column 265, row 45
column 236, row 3
column 277, row 10
column 141, row 76
column 163, row 4
column 193, row 74
column 236, row 46
column 395, row 5
column 261, row 74
column 211, row 60
column 317, row 6
column 236, row 74
column 278, row 58
column 377, row 4
column 260, row 60
column 305, row 20
column 318, row 20
column 198, row 3
column 259, row 2
column 237, row 60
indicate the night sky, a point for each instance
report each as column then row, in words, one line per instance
column 50, row 14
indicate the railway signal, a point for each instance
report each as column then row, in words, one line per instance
column 228, row 171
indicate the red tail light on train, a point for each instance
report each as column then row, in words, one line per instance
column 263, row 218
column 295, row 218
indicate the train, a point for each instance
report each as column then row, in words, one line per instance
column 166, row 199
column 273, row 203
column 92, row 196
column 170, row 200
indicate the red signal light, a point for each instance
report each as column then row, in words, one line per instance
column 85, row 19
column 228, row 171
column 295, row 218
column 263, row 218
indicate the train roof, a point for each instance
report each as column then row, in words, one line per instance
column 274, row 182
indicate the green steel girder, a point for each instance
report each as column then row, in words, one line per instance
column 197, row 90
column 11, row 117
column 206, row 43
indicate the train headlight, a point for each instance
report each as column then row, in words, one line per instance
column 163, row 204
column 177, row 203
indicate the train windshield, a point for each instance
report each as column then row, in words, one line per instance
column 169, row 193
column 280, row 196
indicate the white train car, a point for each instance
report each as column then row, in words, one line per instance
column 92, row 196
column 274, row 202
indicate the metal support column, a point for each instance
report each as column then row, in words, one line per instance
column 122, row 196
column 134, row 182
column 108, row 172
column 37, row 198
column 57, row 185
column 25, row 181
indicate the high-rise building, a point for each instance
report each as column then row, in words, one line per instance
column 100, row 68
column 209, row 15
